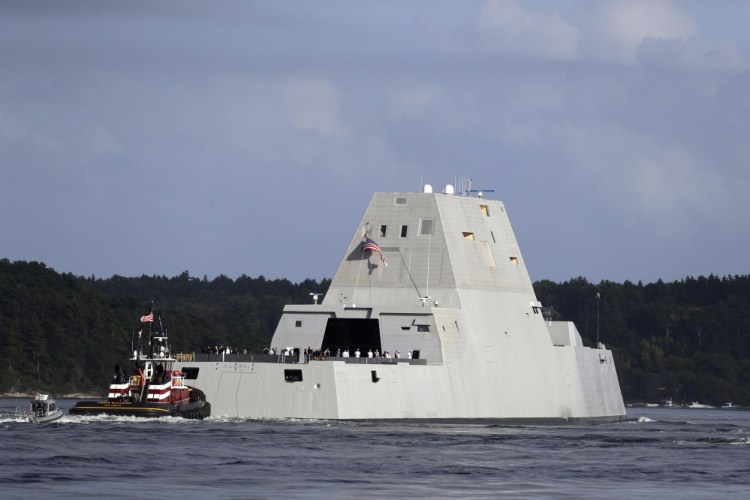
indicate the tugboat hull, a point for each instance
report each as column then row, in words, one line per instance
column 197, row 408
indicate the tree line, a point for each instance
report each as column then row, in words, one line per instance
column 688, row 340
column 64, row 333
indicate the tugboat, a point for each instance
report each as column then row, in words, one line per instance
column 43, row 410
column 154, row 388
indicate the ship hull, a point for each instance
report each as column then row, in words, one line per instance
column 47, row 419
column 366, row 389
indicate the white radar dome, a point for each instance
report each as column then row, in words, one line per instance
column 427, row 188
column 449, row 189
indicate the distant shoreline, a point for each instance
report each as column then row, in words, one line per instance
column 72, row 395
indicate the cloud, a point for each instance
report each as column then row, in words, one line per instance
column 622, row 32
column 666, row 182
column 504, row 27
column 614, row 30
column 100, row 143
column 693, row 53
column 313, row 104
column 628, row 107
column 410, row 100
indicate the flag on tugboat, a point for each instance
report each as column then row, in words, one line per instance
column 148, row 318
column 370, row 244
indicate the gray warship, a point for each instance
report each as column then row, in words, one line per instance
column 431, row 316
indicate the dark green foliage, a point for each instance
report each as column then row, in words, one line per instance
column 63, row 333
column 688, row 340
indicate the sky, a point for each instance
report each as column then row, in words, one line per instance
column 247, row 137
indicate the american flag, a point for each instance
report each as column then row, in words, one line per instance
column 371, row 245
column 374, row 247
column 148, row 318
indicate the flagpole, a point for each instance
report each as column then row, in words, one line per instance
column 150, row 332
column 598, row 297
column 359, row 272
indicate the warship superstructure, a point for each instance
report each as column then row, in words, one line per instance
column 438, row 280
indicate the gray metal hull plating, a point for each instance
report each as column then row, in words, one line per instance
column 587, row 390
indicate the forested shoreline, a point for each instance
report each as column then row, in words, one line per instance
column 688, row 340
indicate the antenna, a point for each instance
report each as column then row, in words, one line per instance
column 466, row 189
column 315, row 296
column 480, row 192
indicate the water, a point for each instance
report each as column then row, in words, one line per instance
column 660, row 452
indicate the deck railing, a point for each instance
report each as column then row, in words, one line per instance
column 280, row 358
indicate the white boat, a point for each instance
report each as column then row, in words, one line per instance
column 729, row 406
column 696, row 404
column 435, row 286
column 43, row 410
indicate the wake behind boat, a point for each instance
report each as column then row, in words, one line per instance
column 154, row 388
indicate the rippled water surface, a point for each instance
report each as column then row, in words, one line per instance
column 657, row 453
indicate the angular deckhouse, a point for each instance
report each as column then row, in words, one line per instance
column 438, row 279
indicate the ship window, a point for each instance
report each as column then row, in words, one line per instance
column 514, row 261
column 400, row 201
column 427, row 225
column 406, row 328
column 298, row 323
column 293, row 375
column 190, row 372
column 423, row 328
column 403, row 231
column 375, row 377
column 383, row 230
column 468, row 236
column 485, row 210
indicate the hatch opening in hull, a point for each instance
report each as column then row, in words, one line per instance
column 352, row 333
column 293, row 375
